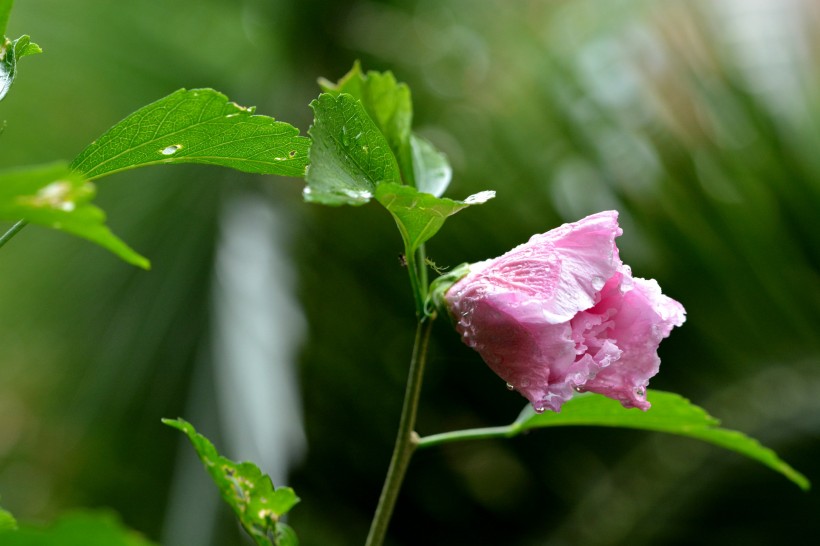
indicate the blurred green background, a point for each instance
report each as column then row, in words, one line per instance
column 699, row 121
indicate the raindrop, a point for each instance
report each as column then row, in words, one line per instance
column 171, row 150
column 345, row 139
column 510, row 387
column 539, row 409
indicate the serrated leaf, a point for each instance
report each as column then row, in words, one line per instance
column 10, row 53
column 420, row 215
column 388, row 103
column 77, row 529
column 7, row 521
column 349, row 156
column 197, row 126
column 670, row 413
column 432, row 170
column 56, row 197
column 248, row 491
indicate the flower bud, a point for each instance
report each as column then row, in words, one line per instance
column 561, row 313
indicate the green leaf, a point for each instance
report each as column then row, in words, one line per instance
column 349, row 156
column 420, row 215
column 7, row 521
column 77, row 529
column 197, row 126
column 389, row 105
column 248, row 491
column 56, row 197
column 432, row 170
column 670, row 413
column 285, row 535
column 5, row 10
column 10, row 53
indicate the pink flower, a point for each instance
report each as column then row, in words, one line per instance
column 561, row 313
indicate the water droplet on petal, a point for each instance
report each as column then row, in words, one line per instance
column 640, row 392
column 510, row 387
column 171, row 150
column 539, row 409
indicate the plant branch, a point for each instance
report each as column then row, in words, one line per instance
column 470, row 434
column 415, row 282
column 13, row 230
column 406, row 439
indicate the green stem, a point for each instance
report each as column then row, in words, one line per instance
column 406, row 440
column 415, row 283
column 470, row 434
column 13, row 230
column 422, row 265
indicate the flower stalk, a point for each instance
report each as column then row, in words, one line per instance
column 406, row 439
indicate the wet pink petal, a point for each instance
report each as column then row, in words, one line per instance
column 561, row 313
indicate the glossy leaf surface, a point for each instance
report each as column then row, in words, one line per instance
column 420, row 215
column 197, row 126
column 349, row 156
column 388, row 103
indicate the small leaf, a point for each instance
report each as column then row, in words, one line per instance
column 197, row 126
column 389, row 105
column 420, row 215
column 432, row 170
column 7, row 521
column 670, row 413
column 77, row 529
column 56, row 197
column 349, row 156
column 285, row 535
column 248, row 491
column 10, row 53
column 23, row 47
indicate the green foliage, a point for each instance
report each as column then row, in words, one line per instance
column 57, row 197
column 5, row 9
column 7, row 521
column 349, row 156
column 248, row 491
column 670, row 413
column 420, row 215
column 197, row 126
column 76, row 529
column 389, row 105
column 10, row 53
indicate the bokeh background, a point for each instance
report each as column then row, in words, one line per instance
column 282, row 330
